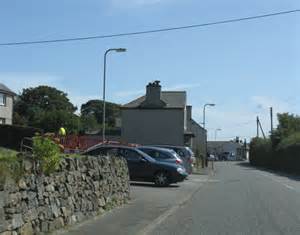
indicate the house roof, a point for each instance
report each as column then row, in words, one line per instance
column 5, row 89
column 173, row 99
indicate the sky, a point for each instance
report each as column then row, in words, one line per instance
column 244, row 68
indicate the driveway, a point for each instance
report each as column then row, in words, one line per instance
column 148, row 207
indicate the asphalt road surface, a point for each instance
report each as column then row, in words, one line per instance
column 239, row 200
column 236, row 199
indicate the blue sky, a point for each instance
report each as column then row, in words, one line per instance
column 244, row 67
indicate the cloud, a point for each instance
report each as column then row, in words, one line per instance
column 78, row 100
column 18, row 81
column 265, row 102
column 138, row 92
column 183, row 87
column 128, row 94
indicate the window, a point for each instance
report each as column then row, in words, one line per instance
column 2, row 121
column 156, row 154
column 2, row 99
column 130, row 154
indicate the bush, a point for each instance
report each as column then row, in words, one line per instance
column 260, row 152
column 287, row 155
column 12, row 135
column 47, row 152
column 10, row 165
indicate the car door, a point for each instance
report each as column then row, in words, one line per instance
column 137, row 166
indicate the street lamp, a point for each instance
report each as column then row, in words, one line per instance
column 204, row 113
column 104, row 80
column 205, row 157
column 219, row 129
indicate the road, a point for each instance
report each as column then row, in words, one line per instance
column 241, row 200
column 236, row 199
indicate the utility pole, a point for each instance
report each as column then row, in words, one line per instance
column 260, row 126
column 271, row 116
column 257, row 127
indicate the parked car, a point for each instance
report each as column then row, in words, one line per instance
column 185, row 153
column 162, row 154
column 211, row 157
column 141, row 166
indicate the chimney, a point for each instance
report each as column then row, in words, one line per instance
column 153, row 95
column 188, row 112
column 153, row 91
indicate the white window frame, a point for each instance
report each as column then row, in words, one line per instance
column 2, row 99
column 2, row 121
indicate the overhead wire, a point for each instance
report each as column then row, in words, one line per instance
column 73, row 39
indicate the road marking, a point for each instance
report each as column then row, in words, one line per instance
column 277, row 181
column 289, row 187
column 150, row 227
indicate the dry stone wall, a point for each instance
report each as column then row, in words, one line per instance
column 82, row 187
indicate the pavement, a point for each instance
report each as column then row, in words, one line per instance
column 236, row 199
column 148, row 207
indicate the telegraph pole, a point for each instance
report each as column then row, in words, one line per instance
column 257, row 127
column 271, row 116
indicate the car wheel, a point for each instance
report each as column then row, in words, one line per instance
column 161, row 179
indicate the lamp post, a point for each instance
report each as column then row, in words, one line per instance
column 204, row 112
column 216, row 131
column 104, row 81
column 205, row 157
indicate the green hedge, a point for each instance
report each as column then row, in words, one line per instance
column 12, row 135
column 260, row 152
column 284, row 156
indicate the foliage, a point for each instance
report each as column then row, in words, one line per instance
column 293, row 139
column 95, row 107
column 260, row 151
column 52, row 121
column 10, row 165
column 12, row 135
column 282, row 150
column 47, row 152
column 45, row 107
column 89, row 123
column 288, row 125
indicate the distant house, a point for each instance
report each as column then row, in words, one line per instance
column 218, row 147
column 6, row 104
column 161, row 117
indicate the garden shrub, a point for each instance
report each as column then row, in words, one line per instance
column 47, row 152
column 10, row 165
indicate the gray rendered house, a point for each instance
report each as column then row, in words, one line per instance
column 6, row 104
column 161, row 117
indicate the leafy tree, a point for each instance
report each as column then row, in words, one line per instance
column 95, row 108
column 45, row 107
column 52, row 120
column 288, row 125
column 88, row 123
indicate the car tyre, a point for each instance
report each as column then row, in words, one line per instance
column 161, row 179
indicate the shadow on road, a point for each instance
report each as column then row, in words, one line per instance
column 151, row 185
column 248, row 166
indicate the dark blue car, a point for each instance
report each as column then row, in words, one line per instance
column 141, row 166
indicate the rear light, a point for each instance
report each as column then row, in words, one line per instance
column 178, row 161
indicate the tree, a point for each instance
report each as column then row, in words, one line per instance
column 288, row 124
column 45, row 107
column 95, row 107
column 88, row 123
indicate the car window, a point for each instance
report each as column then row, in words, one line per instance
column 156, row 154
column 98, row 151
column 130, row 154
column 180, row 153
